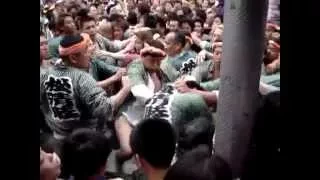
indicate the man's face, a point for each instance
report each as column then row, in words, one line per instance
column 138, row 44
column 177, row 6
column 186, row 27
column 152, row 63
column 93, row 12
column 168, row 7
column 198, row 27
column 49, row 165
column 117, row 33
column 171, row 47
column 173, row 26
column 106, row 30
column 69, row 25
column 217, row 35
column 217, row 21
column 89, row 28
column 217, row 54
column 205, row 5
column 81, row 60
column 43, row 48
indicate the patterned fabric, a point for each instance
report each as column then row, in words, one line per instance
column 70, row 99
column 178, row 60
column 133, row 109
column 188, row 113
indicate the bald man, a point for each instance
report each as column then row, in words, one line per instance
column 105, row 29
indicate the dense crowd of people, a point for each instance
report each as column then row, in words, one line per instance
column 140, row 78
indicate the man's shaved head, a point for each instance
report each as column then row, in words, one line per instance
column 105, row 29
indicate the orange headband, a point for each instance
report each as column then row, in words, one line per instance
column 77, row 47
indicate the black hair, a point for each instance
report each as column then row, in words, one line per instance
column 173, row 17
column 188, row 21
column 201, row 14
column 132, row 18
column 180, row 38
column 198, row 20
column 70, row 40
column 116, row 17
column 85, row 19
column 186, row 10
column 83, row 12
column 154, row 140
column 84, row 152
column 161, row 21
column 219, row 16
column 199, row 164
column 150, row 21
column 143, row 8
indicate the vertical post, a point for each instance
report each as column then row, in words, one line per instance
column 243, row 43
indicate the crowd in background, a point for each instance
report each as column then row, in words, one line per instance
column 140, row 78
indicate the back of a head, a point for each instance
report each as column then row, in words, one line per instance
column 180, row 38
column 70, row 40
column 199, row 164
column 132, row 18
column 150, row 21
column 85, row 152
column 155, row 141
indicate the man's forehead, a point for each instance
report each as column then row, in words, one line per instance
column 43, row 39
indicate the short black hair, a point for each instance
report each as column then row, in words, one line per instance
column 180, row 38
column 201, row 14
column 161, row 21
column 188, row 21
column 70, row 40
column 85, row 19
column 150, row 21
column 84, row 152
column 154, row 140
column 198, row 20
column 132, row 18
column 143, row 8
column 199, row 164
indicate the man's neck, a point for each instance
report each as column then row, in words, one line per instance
column 93, row 38
column 156, row 174
column 177, row 54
